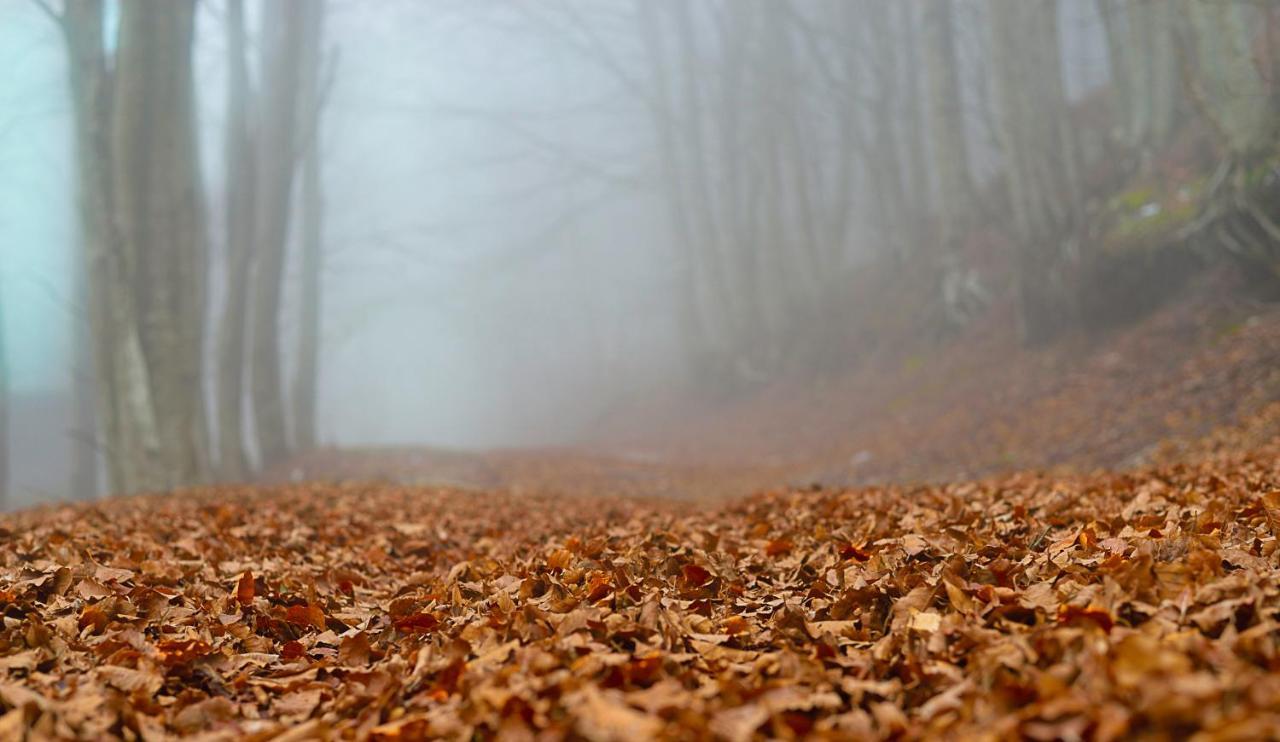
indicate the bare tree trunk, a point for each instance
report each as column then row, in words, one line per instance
column 312, row 210
column 1043, row 191
column 84, row 445
column 946, row 119
column 240, row 189
column 159, row 208
column 4, row 415
column 1234, row 90
column 704, row 345
column 916, row 181
column 143, row 235
column 126, row 418
column 895, row 202
column 282, row 46
column 304, row 388
column 1140, row 45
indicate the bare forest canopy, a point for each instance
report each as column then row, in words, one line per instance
column 239, row 231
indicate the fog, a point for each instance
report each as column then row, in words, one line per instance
column 495, row 270
column 537, row 217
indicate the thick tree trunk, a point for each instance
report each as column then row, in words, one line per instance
column 126, row 418
column 159, row 209
column 240, row 190
column 282, row 35
column 1234, row 91
column 143, row 236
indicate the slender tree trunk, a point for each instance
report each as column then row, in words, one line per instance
column 304, row 388
column 84, row 445
column 703, row 346
column 1140, row 46
column 282, row 43
column 240, row 189
column 946, row 119
column 1043, row 191
column 4, row 414
column 895, row 203
column 916, row 180
column 311, row 217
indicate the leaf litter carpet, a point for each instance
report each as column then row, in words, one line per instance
column 1104, row 606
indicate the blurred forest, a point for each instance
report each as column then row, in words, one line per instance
column 820, row 179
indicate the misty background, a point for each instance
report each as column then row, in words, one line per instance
column 482, row 286
column 507, row 220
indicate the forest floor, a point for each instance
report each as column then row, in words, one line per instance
column 1089, row 551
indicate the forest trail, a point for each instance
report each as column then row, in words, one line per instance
column 1159, row 390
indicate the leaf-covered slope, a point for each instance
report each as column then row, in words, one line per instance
column 1108, row 606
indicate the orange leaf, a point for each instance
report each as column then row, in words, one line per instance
column 305, row 615
column 599, row 589
column 292, row 651
column 418, row 623
column 644, row 670
column 560, row 559
column 850, row 551
column 694, row 575
column 1097, row 615
column 778, row 547
column 735, row 625
column 94, row 616
column 244, row 589
column 447, row 681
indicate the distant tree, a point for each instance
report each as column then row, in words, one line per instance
column 947, row 139
column 238, row 151
column 289, row 29
column 272, row 138
column 311, row 214
column 4, row 414
column 1039, row 159
column 1140, row 46
column 84, row 443
column 282, row 45
column 761, row 169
